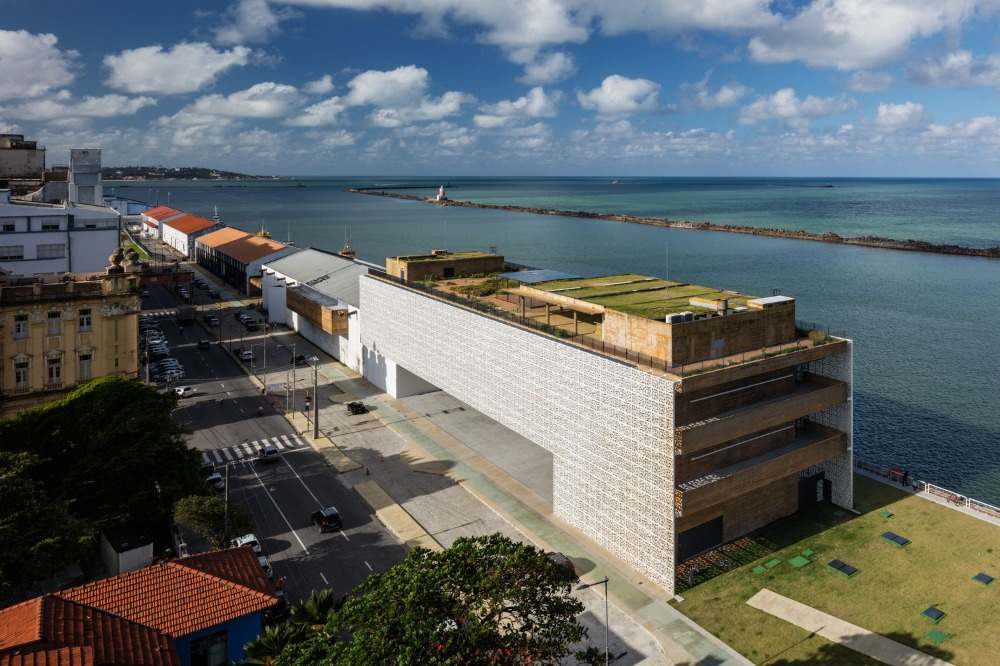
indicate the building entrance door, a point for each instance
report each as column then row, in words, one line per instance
column 698, row 539
column 813, row 490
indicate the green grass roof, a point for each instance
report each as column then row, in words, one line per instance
column 461, row 254
column 640, row 295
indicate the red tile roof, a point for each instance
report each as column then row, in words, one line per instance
column 183, row 596
column 241, row 246
column 161, row 212
column 221, row 237
column 51, row 631
column 189, row 224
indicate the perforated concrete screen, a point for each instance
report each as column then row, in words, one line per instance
column 608, row 425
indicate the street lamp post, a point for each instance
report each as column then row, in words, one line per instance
column 607, row 658
column 315, row 364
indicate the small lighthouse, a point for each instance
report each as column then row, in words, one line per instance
column 442, row 195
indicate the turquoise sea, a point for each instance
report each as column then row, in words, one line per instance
column 927, row 385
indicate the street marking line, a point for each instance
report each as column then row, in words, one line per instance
column 227, row 454
column 344, row 535
column 369, row 566
column 205, row 458
column 287, row 441
column 325, row 581
column 308, row 490
column 278, row 444
column 246, row 449
column 237, row 451
column 215, row 454
column 278, row 508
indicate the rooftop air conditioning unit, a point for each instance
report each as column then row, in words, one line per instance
column 678, row 317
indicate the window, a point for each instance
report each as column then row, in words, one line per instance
column 50, row 226
column 90, row 226
column 9, row 226
column 51, row 250
column 11, row 252
column 20, row 326
column 84, row 370
column 85, row 319
column 54, row 371
column 21, row 375
column 210, row 650
column 55, row 323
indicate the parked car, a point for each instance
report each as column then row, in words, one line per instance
column 300, row 359
column 252, row 325
column 327, row 519
column 215, row 295
column 204, row 344
column 246, row 540
column 216, row 481
column 356, row 407
column 211, row 320
column 269, row 454
column 185, row 391
column 265, row 565
column 246, row 355
column 565, row 564
column 145, row 293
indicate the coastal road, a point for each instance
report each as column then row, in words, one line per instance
column 280, row 496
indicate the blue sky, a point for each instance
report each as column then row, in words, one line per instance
column 511, row 87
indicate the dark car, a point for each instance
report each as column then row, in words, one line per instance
column 300, row 359
column 327, row 519
column 565, row 565
column 214, row 294
column 356, row 407
column 204, row 344
column 211, row 320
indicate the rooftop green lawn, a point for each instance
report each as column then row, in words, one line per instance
column 603, row 280
column 893, row 586
column 461, row 254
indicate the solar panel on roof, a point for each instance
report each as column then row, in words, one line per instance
column 536, row 276
column 985, row 579
column 934, row 614
column 895, row 538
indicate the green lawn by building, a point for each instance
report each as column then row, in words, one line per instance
column 893, row 586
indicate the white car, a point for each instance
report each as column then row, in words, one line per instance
column 246, row 540
column 185, row 391
column 246, row 355
column 216, row 481
column 265, row 565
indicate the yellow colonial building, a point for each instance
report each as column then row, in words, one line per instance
column 58, row 331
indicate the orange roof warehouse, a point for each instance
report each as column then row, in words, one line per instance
column 236, row 256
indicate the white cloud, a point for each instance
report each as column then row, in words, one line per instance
column 857, row 34
column 958, row 70
column 980, row 127
column 32, row 65
column 786, row 106
column 187, row 67
column 619, row 140
column 62, row 107
column 399, row 86
column 446, row 105
column 621, row 95
column 338, row 139
column 548, row 68
column 536, row 104
column 699, row 97
column 263, row 100
column 865, row 81
column 326, row 112
column 895, row 117
column 249, row 21
column 321, row 86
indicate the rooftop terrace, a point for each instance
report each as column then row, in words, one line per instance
column 642, row 296
column 444, row 255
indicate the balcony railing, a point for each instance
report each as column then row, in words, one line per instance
column 812, row 445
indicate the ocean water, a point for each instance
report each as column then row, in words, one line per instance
column 927, row 383
column 961, row 211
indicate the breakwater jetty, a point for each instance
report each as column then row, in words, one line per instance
column 795, row 234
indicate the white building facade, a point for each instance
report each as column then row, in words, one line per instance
column 608, row 425
column 55, row 238
column 318, row 280
column 180, row 232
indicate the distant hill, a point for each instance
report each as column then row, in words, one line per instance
column 171, row 173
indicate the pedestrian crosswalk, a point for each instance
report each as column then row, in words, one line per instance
column 250, row 450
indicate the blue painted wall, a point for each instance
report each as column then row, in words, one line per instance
column 241, row 631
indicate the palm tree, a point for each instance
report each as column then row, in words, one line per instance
column 314, row 610
column 263, row 650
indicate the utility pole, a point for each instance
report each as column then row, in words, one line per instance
column 315, row 398
column 225, row 528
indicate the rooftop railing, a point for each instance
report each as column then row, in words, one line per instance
column 640, row 360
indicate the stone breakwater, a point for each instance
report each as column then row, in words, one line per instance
column 795, row 234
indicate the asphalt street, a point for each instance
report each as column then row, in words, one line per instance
column 280, row 495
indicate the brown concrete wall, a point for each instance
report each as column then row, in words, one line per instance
column 703, row 339
column 815, row 394
column 330, row 320
column 751, row 511
column 698, row 405
column 433, row 269
column 689, row 467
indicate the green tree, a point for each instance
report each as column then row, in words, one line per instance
column 483, row 600
column 110, row 448
column 314, row 611
column 206, row 516
column 275, row 638
column 38, row 534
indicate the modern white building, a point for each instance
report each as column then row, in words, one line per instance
column 675, row 425
column 316, row 294
column 180, row 231
column 55, row 238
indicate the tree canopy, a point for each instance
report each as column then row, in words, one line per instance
column 484, row 600
column 206, row 516
column 108, row 454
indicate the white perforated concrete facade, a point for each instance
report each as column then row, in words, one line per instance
column 607, row 424
column 839, row 470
